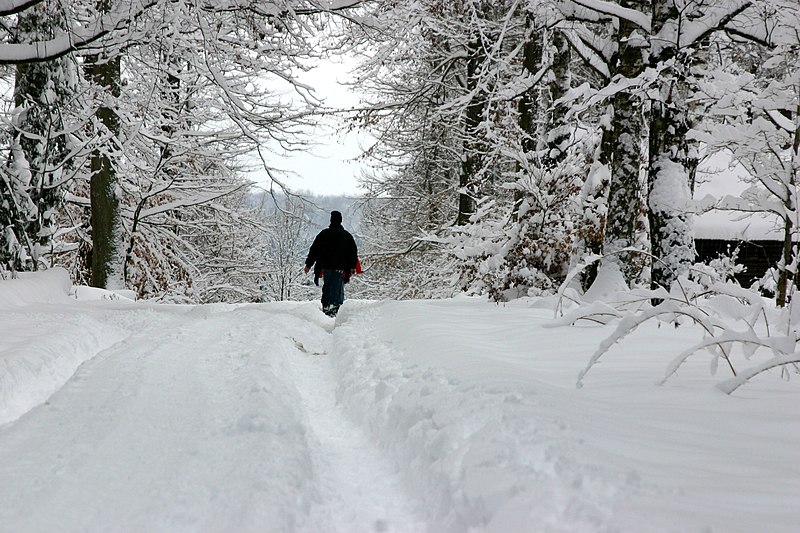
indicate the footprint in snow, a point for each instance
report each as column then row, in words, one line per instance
column 299, row 346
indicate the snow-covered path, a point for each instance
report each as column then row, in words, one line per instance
column 200, row 421
column 350, row 468
column 446, row 416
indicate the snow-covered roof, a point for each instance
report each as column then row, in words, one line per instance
column 732, row 226
column 717, row 177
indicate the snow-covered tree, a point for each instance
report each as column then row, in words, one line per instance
column 624, row 143
column 171, row 124
column 753, row 104
column 33, row 178
column 413, row 190
column 651, row 64
column 467, row 107
column 288, row 238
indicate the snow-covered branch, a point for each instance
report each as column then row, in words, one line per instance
column 589, row 52
column 12, row 7
column 714, row 18
column 728, row 316
column 609, row 8
column 77, row 37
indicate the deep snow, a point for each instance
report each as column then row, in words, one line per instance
column 439, row 416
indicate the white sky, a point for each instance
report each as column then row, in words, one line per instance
column 329, row 168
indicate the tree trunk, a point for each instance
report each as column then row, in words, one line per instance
column 625, row 140
column 472, row 162
column 670, row 162
column 108, row 247
column 557, row 131
column 595, row 197
column 785, row 275
column 532, row 55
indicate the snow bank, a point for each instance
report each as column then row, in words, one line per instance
column 478, row 448
column 190, row 424
column 478, row 406
column 40, row 350
column 84, row 293
column 47, row 286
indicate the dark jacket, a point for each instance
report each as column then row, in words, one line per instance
column 333, row 248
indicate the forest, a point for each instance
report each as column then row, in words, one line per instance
column 521, row 146
column 560, row 324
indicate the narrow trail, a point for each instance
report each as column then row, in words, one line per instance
column 362, row 490
column 214, row 420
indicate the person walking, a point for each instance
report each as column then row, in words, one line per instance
column 334, row 256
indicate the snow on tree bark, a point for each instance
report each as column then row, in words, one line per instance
column 558, row 131
column 625, row 140
column 108, row 247
column 472, row 158
column 670, row 155
column 529, row 106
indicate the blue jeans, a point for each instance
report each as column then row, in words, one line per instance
column 332, row 291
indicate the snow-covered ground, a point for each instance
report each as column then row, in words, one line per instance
column 421, row 416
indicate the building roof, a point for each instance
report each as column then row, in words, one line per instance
column 718, row 177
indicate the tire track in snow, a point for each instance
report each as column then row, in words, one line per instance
column 192, row 427
column 208, row 420
column 360, row 490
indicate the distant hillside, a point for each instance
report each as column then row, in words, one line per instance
column 316, row 208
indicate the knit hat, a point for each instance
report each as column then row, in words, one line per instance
column 336, row 217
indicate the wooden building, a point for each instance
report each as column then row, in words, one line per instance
column 757, row 256
column 757, row 236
